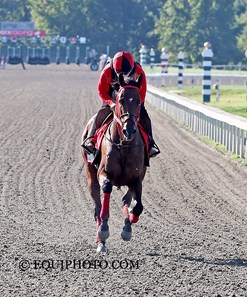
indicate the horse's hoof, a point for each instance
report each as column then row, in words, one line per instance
column 103, row 235
column 101, row 248
column 103, row 231
column 126, row 236
column 126, row 233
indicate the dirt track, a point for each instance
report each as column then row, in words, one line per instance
column 191, row 239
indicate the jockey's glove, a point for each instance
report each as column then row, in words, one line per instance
column 115, row 86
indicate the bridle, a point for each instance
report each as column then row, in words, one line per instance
column 122, row 119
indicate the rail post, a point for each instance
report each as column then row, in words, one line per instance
column 180, row 69
column 58, row 55
column 143, row 55
column 164, row 57
column 67, row 58
column 207, row 55
column 152, row 57
column 77, row 56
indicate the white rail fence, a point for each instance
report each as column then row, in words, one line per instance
column 219, row 126
column 189, row 79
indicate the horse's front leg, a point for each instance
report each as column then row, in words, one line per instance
column 137, row 210
column 126, row 232
column 106, row 186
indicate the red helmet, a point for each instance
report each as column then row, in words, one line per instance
column 123, row 62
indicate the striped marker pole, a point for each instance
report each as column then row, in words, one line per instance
column 152, row 57
column 164, row 57
column 246, row 86
column 143, row 55
column 207, row 55
column 180, row 69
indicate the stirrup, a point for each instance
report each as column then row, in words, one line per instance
column 154, row 151
column 89, row 147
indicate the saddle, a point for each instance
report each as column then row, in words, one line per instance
column 100, row 132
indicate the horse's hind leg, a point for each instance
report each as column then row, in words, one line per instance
column 126, row 232
column 94, row 190
column 133, row 216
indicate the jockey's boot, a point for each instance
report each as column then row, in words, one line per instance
column 98, row 120
column 153, row 149
column 146, row 122
column 88, row 145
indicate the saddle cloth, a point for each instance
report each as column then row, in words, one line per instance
column 100, row 132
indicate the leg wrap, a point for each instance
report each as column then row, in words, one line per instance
column 133, row 218
column 105, row 207
column 137, row 210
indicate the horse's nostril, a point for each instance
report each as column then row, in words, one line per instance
column 125, row 133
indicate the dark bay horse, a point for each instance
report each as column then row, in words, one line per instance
column 121, row 164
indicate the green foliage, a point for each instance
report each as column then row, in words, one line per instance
column 179, row 25
column 14, row 10
column 58, row 17
column 215, row 23
column 172, row 26
column 104, row 22
column 188, row 24
column 241, row 20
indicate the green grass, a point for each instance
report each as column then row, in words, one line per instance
column 157, row 69
column 222, row 149
column 233, row 99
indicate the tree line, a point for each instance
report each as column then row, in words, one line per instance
column 175, row 24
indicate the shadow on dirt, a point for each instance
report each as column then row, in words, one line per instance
column 227, row 262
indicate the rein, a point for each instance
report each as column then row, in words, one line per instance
column 121, row 119
column 121, row 141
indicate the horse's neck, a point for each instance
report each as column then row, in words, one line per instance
column 115, row 131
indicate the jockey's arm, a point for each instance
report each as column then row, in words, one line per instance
column 104, row 85
column 143, row 88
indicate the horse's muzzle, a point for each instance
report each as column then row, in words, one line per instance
column 129, row 133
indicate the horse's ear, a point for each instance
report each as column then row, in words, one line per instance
column 121, row 80
column 140, row 80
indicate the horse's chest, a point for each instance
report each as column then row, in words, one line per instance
column 124, row 166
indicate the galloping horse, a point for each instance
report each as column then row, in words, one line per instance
column 122, row 163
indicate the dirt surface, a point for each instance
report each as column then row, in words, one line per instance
column 191, row 239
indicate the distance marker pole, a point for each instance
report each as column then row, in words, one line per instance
column 180, row 69
column 207, row 55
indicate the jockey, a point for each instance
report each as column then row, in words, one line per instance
column 122, row 62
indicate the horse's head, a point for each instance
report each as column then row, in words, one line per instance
column 127, row 108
